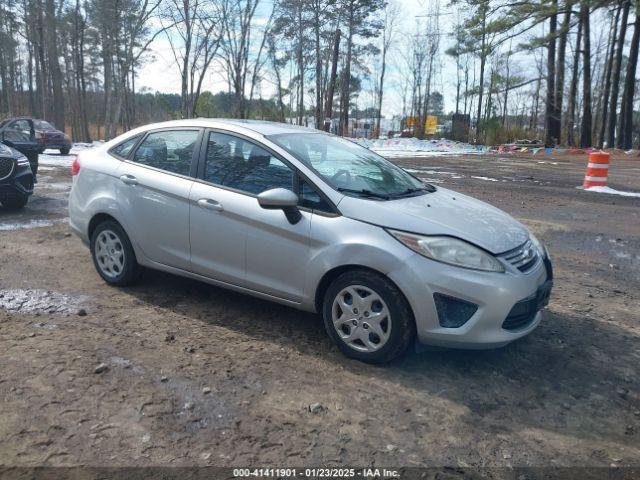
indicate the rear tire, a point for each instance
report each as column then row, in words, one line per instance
column 15, row 201
column 65, row 151
column 368, row 317
column 113, row 254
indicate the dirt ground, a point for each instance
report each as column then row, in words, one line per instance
column 196, row 375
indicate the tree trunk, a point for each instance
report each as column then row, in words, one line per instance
column 300, row 66
column 381, row 86
column 54, row 66
column 43, row 86
column 560, row 66
column 316, row 26
column 483, row 58
column 328, row 109
column 607, row 81
column 345, row 95
column 626, row 114
column 550, row 109
column 617, row 68
column 573, row 90
column 585, row 133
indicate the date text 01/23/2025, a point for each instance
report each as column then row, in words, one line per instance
column 315, row 473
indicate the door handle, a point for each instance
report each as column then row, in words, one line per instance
column 129, row 179
column 210, row 204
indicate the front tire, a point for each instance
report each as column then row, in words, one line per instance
column 33, row 163
column 368, row 317
column 65, row 150
column 113, row 254
column 15, row 201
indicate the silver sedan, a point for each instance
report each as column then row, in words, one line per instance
column 313, row 221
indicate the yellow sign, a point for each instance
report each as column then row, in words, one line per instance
column 431, row 125
column 410, row 121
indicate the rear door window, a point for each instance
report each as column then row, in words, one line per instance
column 168, row 150
column 123, row 149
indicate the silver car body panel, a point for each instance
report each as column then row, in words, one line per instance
column 474, row 221
column 231, row 241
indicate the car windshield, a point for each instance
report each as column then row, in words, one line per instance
column 42, row 125
column 350, row 168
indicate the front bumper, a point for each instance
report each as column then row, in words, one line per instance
column 20, row 181
column 495, row 294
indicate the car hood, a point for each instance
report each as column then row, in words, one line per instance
column 443, row 212
column 7, row 152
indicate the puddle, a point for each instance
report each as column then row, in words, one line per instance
column 6, row 226
column 34, row 301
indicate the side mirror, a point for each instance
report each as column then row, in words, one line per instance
column 281, row 199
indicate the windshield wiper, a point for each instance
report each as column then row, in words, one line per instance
column 425, row 188
column 364, row 192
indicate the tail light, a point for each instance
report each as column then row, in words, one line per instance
column 75, row 167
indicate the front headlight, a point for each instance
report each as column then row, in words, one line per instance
column 450, row 250
column 538, row 245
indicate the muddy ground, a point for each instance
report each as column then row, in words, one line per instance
column 196, row 375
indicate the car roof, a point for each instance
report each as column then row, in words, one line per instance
column 261, row 127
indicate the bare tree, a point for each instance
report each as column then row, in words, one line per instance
column 626, row 110
column 585, row 131
column 239, row 21
column 391, row 16
column 194, row 29
column 617, row 68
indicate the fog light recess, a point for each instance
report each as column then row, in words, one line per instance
column 453, row 312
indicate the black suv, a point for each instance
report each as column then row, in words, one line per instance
column 21, row 134
column 18, row 162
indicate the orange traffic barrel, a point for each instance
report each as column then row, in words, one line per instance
column 597, row 170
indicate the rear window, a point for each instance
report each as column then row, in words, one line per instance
column 169, row 150
column 42, row 125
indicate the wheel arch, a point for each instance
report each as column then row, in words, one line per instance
column 335, row 272
column 97, row 219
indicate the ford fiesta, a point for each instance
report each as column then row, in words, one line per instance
column 313, row 221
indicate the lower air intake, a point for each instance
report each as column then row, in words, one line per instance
column 453, row 312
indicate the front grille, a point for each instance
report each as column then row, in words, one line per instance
column 523, row 257
column 6, row 167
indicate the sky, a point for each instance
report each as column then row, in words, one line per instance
column 161, row 74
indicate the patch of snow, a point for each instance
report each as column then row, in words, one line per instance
column 7, row 226
column 59, row 160
column 488, row 179
column 58, row 186
column 415, row 154
column 612, row 191
column 39, row 301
